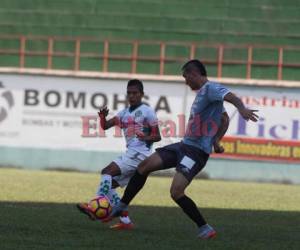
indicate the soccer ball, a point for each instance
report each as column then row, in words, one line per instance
column 100, row 206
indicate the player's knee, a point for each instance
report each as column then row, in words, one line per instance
column 111, row 169
column 105, row 171
column 176, row 193
column 143, row 168
column 143, row 171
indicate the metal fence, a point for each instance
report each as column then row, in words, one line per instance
column 160, row 53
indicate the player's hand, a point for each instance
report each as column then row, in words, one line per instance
column 103, row 112
column 249, row 114
column 218, row 148
column 140, row 135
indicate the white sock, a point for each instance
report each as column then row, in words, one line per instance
column 113, row 197
column 105, row 185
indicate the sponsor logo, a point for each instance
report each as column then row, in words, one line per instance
column 6, row 102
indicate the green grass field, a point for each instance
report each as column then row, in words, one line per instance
column 38, row 212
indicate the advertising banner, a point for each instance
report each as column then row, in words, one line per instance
column 61, row 112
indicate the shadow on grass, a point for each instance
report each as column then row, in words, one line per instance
column 29, row 225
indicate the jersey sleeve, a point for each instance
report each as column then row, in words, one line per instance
column 152, row 118
column 216, row 92
column 120, row 116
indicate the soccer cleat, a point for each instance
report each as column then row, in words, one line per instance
column 110, row 217
column 84, row 208
column 206, row 232
column 122, row 226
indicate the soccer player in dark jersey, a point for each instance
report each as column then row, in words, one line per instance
column 191, row 154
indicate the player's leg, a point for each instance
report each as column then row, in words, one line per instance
column 189, row 207
column 128, row 166
column 103, row 189
column 106, row 178
column 137, row 181
column 179, row 184
column 124, row 219
column 165, row 157
column 187, row 168
column 112, row 194
column 125, row 222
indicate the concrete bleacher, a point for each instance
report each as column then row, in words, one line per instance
column 230, row 21
column 266, row 21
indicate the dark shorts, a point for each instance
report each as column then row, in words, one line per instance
column 187, row 159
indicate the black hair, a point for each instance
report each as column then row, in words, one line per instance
column 195, row 64
column 137, row 83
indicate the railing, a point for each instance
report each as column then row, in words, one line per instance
column 21, row 52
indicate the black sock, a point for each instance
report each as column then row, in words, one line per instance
column 190, row 208
column 135, row 184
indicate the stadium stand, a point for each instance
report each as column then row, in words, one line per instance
column 267, row 22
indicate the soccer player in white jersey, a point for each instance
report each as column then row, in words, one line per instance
column 190, row 155
column 140, row 127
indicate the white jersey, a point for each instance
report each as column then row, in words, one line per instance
column 141, row 118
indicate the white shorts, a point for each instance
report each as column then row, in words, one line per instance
column 128, row 163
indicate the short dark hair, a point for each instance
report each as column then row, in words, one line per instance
column 195, row 64
column 137, row 83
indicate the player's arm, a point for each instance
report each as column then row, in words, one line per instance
column 154, row 135
column 247, row 114
column 106, row 124
column 218, row 148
